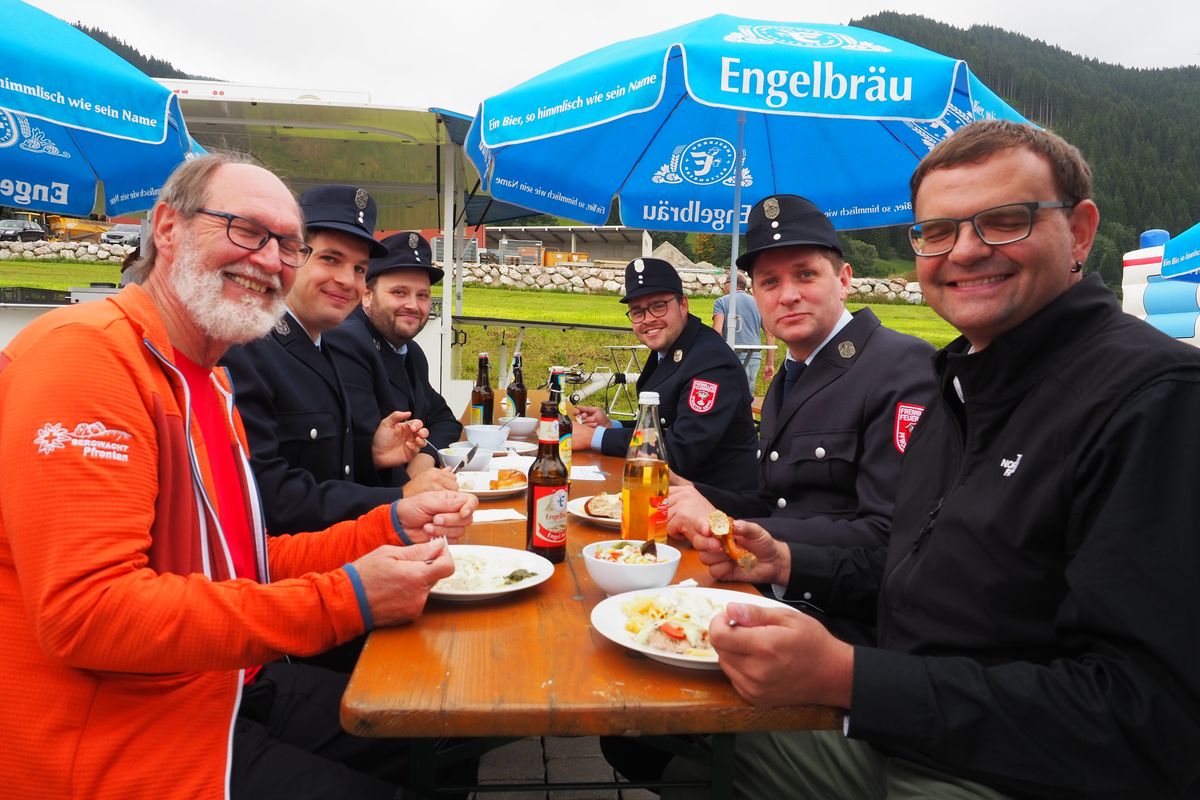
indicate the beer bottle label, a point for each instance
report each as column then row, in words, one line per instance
column 507, row 407
column 477, row 415
column 564, row 451
column 550, row 516
column 547, row 430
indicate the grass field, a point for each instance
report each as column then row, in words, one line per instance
column 57, row 274
column 541, row 347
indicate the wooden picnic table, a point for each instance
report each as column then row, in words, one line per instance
column 530, row 664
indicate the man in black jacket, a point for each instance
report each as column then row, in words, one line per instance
column 837, row 418
column 1037, row 606
column 382, row 366
column 288, row 390
column 704, row 401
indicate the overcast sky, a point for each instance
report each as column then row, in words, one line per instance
column 453, row 53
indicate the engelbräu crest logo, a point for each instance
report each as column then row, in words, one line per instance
column 800, row 37
column 94, row 439
column 930, row 133
column 704, row 162
column 16, row 129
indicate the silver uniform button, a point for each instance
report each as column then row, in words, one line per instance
column 819, row 452
column 758, row 454
column 347, row 470
column 662, row 421
column 808, row 595
column 781, row 503
column 312, row 434
column 774, row 455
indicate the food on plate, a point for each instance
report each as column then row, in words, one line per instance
column 674, row 622
column 722, row 527
column 604, row 505
column 508, row 479
column 518, row 575
column 626, row 553
column 474, row 573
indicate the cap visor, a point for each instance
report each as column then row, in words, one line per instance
column 377, row 248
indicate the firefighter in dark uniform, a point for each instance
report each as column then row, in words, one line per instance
column 704, row 401
column 836, row 419
column 287, row 388
column 382, row 366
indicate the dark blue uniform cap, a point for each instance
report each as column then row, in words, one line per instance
column 786, row 220
column 405, row 250
column 648, row 276
column 344, row 209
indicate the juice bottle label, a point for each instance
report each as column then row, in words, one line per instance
column 477, row 415
column 656, row 520
column 550, row 516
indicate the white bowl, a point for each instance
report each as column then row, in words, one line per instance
column 615, row 578
column 458, row 451
column 520, row 426
column 487, row 436
column 452, row 456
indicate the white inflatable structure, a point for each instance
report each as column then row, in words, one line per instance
column 1168, row 302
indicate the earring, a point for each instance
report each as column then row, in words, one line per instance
column 1077, row 268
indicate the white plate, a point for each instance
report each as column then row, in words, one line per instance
column 468, row 480
column 506, row 559
column 576, row 507
column 518, row 447
column 609, row 620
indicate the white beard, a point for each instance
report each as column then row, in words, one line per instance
column 200, row 288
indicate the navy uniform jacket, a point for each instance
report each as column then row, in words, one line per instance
column 297, row 419
column 830, row 452
column 709, row 439
column 379, row 381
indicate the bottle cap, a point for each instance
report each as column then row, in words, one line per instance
column 648, row 398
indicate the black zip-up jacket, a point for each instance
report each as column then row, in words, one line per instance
column 1039, row 613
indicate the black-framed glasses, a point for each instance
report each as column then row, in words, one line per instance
column 251, row 235
column 1004, row 224
column 655, row 309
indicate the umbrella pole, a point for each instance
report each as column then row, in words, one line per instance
column 731, row 317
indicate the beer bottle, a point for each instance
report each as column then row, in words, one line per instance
column 644, row 483
column 481, row 394
column 515, row 396
column 558, row 397
column 546, row 498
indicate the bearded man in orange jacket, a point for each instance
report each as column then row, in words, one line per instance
column 142, row 608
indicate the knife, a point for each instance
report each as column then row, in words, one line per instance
column 470, row 454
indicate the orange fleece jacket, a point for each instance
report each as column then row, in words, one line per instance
column 124, row 638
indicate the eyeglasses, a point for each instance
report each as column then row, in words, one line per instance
column 656, row 309
column 1000, row 225
column 251, row 235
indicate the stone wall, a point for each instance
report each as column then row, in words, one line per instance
column 611, row 280
column 67, row 251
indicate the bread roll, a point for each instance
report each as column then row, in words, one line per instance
column 604, row 505
column 722, row 528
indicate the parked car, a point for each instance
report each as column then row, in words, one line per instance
column 20, row 230
column 124, row 233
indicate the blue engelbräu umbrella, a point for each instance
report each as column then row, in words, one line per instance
column 73, row 113
column 838, row 114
